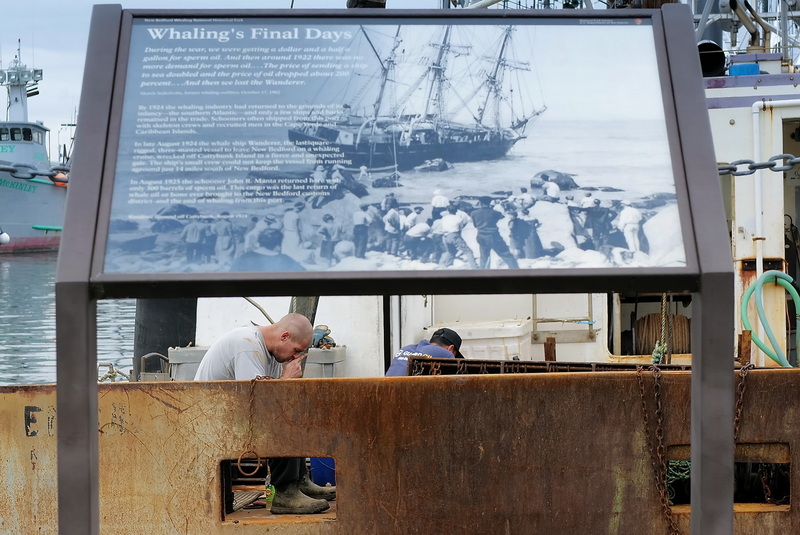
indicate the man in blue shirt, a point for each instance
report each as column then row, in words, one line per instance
column 445, row 343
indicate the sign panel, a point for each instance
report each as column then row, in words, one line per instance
column 302, row 144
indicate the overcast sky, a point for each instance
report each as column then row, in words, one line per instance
column 53, row 35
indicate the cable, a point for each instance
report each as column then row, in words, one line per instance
column 252, row 302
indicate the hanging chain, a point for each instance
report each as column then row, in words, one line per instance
column 658, row 456
column 249, row 451
column 751, row 166
column 661, row 451
column 656, row 444
column 26, row 171
column 740, row 388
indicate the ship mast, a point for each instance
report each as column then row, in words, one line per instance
column 494, row 94
column 20, row 82
column 435, row 81
column 386, row 69
column 493, row 82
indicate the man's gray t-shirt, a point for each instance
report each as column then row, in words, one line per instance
column 240, row 354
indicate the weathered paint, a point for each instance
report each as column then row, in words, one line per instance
column 517, row 454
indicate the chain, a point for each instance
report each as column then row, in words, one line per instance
column 740, row 388
column 661, row 451
column 26, row 171
column 249, row 452
column 658, row 451
column 751, row 166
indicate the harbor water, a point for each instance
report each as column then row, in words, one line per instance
column 28, row 323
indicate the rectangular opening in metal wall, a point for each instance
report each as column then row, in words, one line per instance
column 762, row 476
column 246, row 497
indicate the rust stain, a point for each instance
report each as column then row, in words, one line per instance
column 51, row 421
column 162, row 401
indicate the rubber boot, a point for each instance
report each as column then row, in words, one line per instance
column 290, row 501
column 309, row 488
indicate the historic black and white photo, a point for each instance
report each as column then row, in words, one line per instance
column 310, row 145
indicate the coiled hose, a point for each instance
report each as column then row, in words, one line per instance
column 757, row 287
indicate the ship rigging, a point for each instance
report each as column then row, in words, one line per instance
column 464, row 114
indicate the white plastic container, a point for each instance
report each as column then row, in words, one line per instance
column 184, row 361
column 322, row 362
column 492, row 340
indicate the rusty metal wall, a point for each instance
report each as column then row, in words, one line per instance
column 28, row 491
column 515, row 454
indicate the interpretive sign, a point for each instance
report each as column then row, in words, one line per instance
column 281, row 144
column 219, row 153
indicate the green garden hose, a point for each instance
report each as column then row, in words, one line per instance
column 757, row 287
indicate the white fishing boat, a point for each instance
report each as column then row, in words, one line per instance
column 32, row 191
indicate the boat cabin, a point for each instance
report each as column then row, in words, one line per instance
column 23, row 142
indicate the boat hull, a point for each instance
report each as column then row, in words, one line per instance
column 388, row 152
column 32, row 214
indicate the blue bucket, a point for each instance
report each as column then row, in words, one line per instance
column 323, row 471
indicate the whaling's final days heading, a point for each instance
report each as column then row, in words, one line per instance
column 223, row 36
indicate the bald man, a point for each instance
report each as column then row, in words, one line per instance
column 274, row 351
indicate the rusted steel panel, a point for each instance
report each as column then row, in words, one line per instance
column 28, row 491
column 745, row 346
column 517, row 454
column 550, row 349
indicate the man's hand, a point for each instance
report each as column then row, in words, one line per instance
column 294, row 368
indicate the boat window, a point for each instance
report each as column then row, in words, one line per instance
column 27, row 134
column 16, row 134
column 38, row 137
column 4, row 136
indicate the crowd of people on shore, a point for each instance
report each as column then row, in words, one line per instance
column 461, row 233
